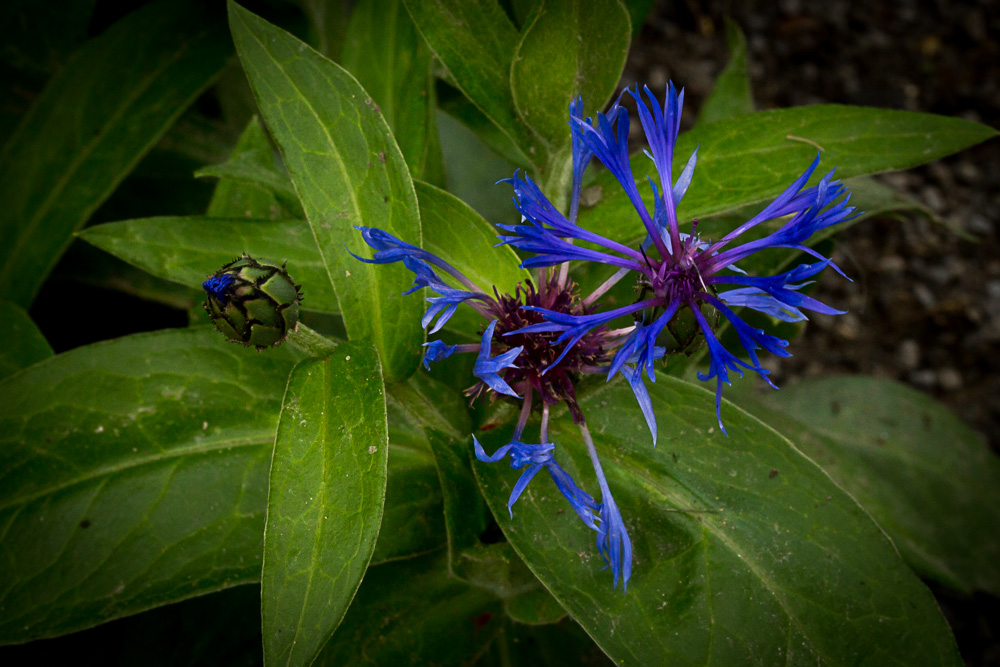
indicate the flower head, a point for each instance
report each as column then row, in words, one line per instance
column 522, row 352
column 253, row 302
column 516, row 360
column 681, row 278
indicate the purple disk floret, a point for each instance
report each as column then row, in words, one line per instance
column 676, row 270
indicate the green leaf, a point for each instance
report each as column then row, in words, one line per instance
column 87, row 265
column 731, row 96
column 475, row 42
column 24, row 344
column 638, row 11
column 252, row 184
column 145, row 460
column 393, row 63
column 134, row 474
column 745, row 551
column 732, row 156
column 412, row 612
column 44, row 37
column 440, row 414
column 347, row 171
column 534, row 607
column 325, row 500
column 90, row 126
column 928, row 479
column 456, row 233
column 188, row 249
column 568, row 48
column 465, row 513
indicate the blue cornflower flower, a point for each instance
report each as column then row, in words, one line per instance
column 532, row 355
column 676, row 271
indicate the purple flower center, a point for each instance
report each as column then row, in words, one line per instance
column 536, row 364
column 678, row 283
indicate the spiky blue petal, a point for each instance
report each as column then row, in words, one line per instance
column 436, row 351
column 487, row 369
column 751, row 297
column 533, row 458
column 613, row 541
column 780, row 289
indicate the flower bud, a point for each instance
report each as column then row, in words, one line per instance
column 253, row 302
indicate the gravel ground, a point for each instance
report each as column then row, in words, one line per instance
column 925, row 304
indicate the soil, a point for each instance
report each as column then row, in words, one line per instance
column 924, row 307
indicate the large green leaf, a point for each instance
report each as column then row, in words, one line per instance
column 24, row 344
column 731, row 95
column 347, row 171
column 475, row 41
column 90, row 126
column 325, row 500
column 135, row 472
column 412, row 612
column 393, row 63
column 928, row 479
column 755, row 156
column 187, row 249
column 568, row 48
column 745, row 551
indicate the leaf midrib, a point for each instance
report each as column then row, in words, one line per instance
column 318, row 527
column 108, row 470
column 375, row 303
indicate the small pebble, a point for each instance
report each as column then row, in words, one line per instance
column 925, row 378
column 949, row 379
column 977, row 223
column 924, row 295
column 935, row 200
column 892, row 264
column 908, row 354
